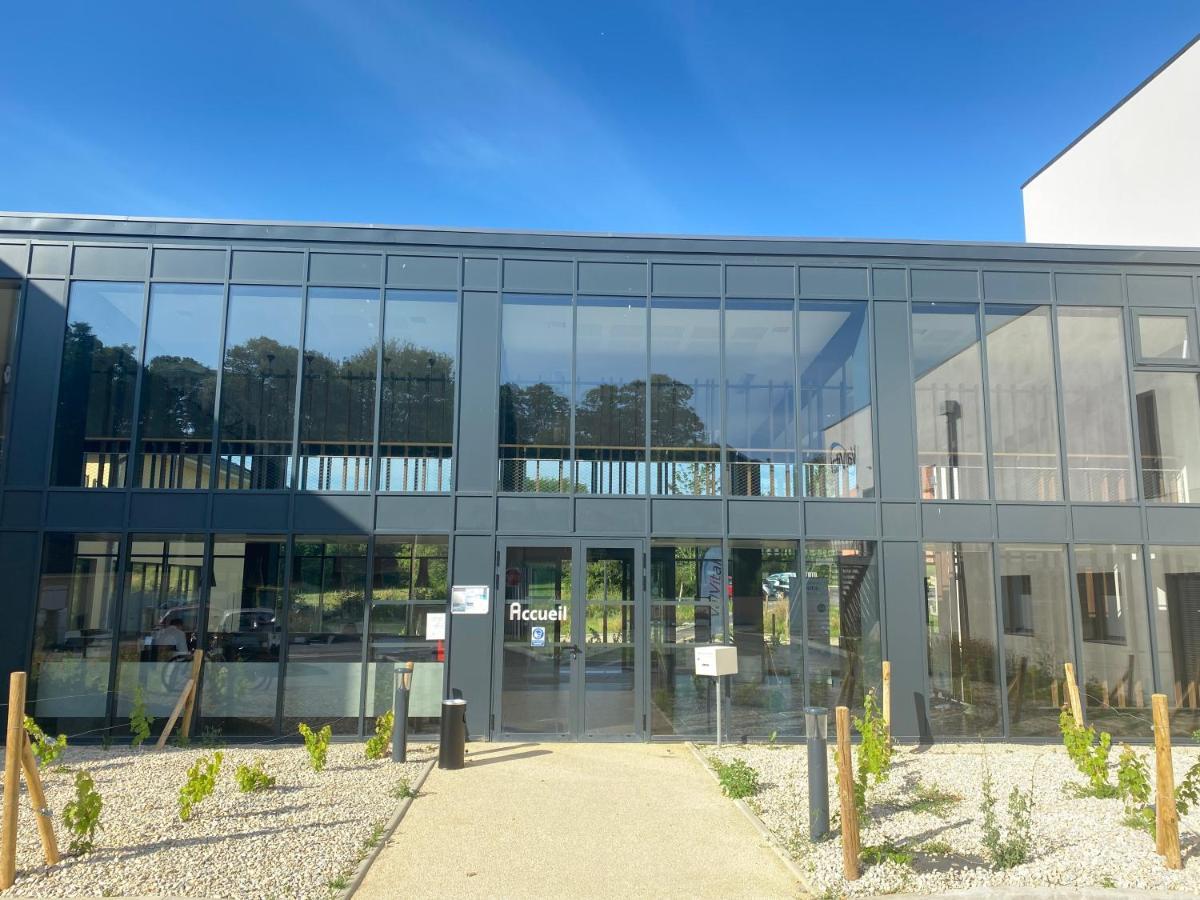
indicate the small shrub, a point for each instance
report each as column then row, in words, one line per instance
column 737, row 779
column 82, row 815
column 936, row 848
column 201, row 780
column 46, row 751
column 317, row 745
column 874, row 752
column 403, row 790
column 253, row 778
column 1006, row 848
column 1133, row 779
column 1089, row 755
column 874, row 854
column 933, row 800
column 378, row 746
column 139, row 721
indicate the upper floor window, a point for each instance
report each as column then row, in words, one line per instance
column 1166, row 337
column 94, row 421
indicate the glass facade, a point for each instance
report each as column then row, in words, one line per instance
column 1168, row 415
column 1175, row 605
column 10, row 296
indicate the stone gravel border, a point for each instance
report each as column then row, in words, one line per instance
column 365, row 864
column 764, row 832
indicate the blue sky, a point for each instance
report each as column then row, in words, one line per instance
column 819, row 119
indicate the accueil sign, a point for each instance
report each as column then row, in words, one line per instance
column 517, row 613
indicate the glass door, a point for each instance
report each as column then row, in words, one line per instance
column 570, row 635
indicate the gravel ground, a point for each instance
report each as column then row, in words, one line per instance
column 1077, row 842
column 293, row 840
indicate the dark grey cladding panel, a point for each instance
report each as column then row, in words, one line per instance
column 50, row 259
column 612, row 278
column 680, row 278
column 481, row 274
column 414, row 513
column 1040, row 522
column 267, row 265
column 533, row 515
column 18, row 562
column 539, row 275
column 475, row 514
column 611, row 515
column 957, row 521
column 189, row 265
column 764, row 518
column 471, row 636
column 82, row 510
column 319, row 513
column 45, row 317
column 111, row 262
column 345, row 268
column 686, row 517
column 251, row 511
column 945, row 284
column 896, row 468
column 174, row 510
column 890, row 284
column 12, row 260
column 475, row 443
column 1088, row 288
column 1159, row 290
column 900, row 520
column 22, row 509
column 905, row 639
column 1173, row 524
column 833, row 281
column 1030, row 287
column 1107, row 524
column 422, row 271
column 760, row 281
column 839, row 518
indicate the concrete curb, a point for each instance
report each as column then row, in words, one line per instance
column 361, row 872
column 765, row 833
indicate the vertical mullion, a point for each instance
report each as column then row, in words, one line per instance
column 135, row 419
column 374, row 482
column 214, row 456
column 285, row 628
column 1001, row 662
column 294, row 479
column 368, row 596
column 986, row 398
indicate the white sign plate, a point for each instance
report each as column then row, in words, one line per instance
column 537, row 636
column 470, row 599
column 435, row 627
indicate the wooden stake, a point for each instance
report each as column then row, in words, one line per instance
column 846, row 795
column 1166, row 825
column 183, row 698
column 1073, row 692
column 887, row 697
column 37, row 798
column 185, row 728
column 14, row 742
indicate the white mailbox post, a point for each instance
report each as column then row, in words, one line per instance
column 717, row 661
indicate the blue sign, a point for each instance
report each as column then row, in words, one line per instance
column 537, row 636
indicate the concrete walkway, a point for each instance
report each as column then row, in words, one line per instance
column 575, row 820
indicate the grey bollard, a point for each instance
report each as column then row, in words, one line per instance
column 404, row 673
column 816, row 728
column 452, row 750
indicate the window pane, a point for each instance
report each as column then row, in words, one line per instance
column 1165, row 338
column 324, row 634
column 72, row 637
column 960, row 607
column 1176, row 578
column 768, row 629
column 258, row 388
column 1168, row 408
column 1116, row 638
column 416, row 426
column 1037, row 635
column 337, row 406
column 835, row 400
column 687, row 585
column 841, row 600
column 610, row 395
column 179, row 386
column 535, row 393
column 1022, row 403
column 245, row 625
column 949, row 397
column 1091, row 346
column 685, row 396
column 760, row 391
column 411, row 581
column 160, row 621
column 95, row 394
column 10, row 293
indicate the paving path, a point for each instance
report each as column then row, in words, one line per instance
column 576, row 820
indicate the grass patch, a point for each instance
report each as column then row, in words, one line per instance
column 1097, row 790
column 936, row 848
column 888, row 851
column 930, row 799
column 403, row 790
column 737, row 779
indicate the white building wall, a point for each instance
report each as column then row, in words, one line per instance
column 1135, row 178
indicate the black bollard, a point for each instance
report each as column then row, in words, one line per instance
column 452, row 749
column 404, row 673
column 816, row 728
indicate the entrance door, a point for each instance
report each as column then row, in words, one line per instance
column 571, row 635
